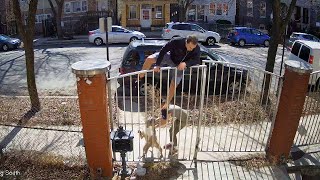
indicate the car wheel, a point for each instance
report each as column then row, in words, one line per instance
column 5, row 47
column 133, row 38
column 98, row 41
column 266, row 43
column 143, row 87
column 242, row 42
column 211, row 41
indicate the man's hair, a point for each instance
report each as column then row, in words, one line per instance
column 193, row 39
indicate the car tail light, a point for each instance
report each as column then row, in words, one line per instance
column 167, row 30
column 91, row 32
column 236, row 33
column 122, row 71
column 311, row 59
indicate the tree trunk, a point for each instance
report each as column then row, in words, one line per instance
column 58, row 21
column 182, row 13
column 272, row 53
column 31, row 80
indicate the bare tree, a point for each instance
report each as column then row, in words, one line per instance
column 279, row 22
column 57, row 13
column 26, row 31
column 183, row 7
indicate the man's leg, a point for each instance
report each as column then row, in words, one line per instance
column 147, row 65
column 173, row 85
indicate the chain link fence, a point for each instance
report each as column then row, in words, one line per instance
column 42, row 144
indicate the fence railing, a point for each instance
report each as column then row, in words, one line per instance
column 309, row 128
column 223, row 103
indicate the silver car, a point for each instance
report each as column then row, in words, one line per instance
column 117, row 35
column 302, row 36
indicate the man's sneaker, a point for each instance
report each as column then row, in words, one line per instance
column 164, row 113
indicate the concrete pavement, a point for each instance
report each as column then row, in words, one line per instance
column 80, row 39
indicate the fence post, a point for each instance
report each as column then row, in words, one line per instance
column 91, row 85
column 292, row 98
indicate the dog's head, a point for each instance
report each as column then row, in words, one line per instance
column 150, row 121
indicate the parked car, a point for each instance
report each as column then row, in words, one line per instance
column 117, row 35
column 139, row 50
column 307, row 51
column 302, row 36
column 245, row 35
column 172, row 30
column 7, row 43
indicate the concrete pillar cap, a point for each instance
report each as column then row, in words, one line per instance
column 298, row 66
column 90, row 67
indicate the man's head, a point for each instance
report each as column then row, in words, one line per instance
column 191, row 42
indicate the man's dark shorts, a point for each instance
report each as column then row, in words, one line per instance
column 167, row 61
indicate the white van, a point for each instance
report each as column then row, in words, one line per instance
column 308, row 51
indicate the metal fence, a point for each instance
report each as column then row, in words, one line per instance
column 309, row 127
column 49, row 138
column 225, row 108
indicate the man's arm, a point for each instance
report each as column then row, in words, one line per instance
column 163, row 51
column 194, row 58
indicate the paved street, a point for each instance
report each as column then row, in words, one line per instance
column 53, row 65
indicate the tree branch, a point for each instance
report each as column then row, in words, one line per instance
column 52, row 8
column 289, row 13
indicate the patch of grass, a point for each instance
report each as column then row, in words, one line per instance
column 37, row 165
column 54, row 111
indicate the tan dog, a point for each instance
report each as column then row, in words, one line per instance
column 150, row 136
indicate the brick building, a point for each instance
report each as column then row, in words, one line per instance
column 149, row 14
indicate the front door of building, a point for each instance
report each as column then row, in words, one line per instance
column 145, row 18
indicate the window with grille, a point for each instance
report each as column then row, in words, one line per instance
column 158, row 12
column 133, row 12
column 219, row 9
column 263, row 9
column 212, row 8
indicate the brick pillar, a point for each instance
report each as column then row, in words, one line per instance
column 293, row 94
column 91, row 84
column 124, row 15
column 167, row 13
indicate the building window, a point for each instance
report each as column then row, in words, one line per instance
column 212, row 8
column 133, row 12
column 225, row 9
column 84, row 5
column 158, row 12
column 262, row 9
column 219, row 9
column 192, row 13
column 305, row 16
column 200, row 12
column 67, row 7
column 42, row 17
column 75, row 6
column 250, row 8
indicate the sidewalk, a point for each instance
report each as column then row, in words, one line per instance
column 80, row 39
column 70, row 144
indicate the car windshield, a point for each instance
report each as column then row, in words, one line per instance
column 214, row 55
column 4, row 37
